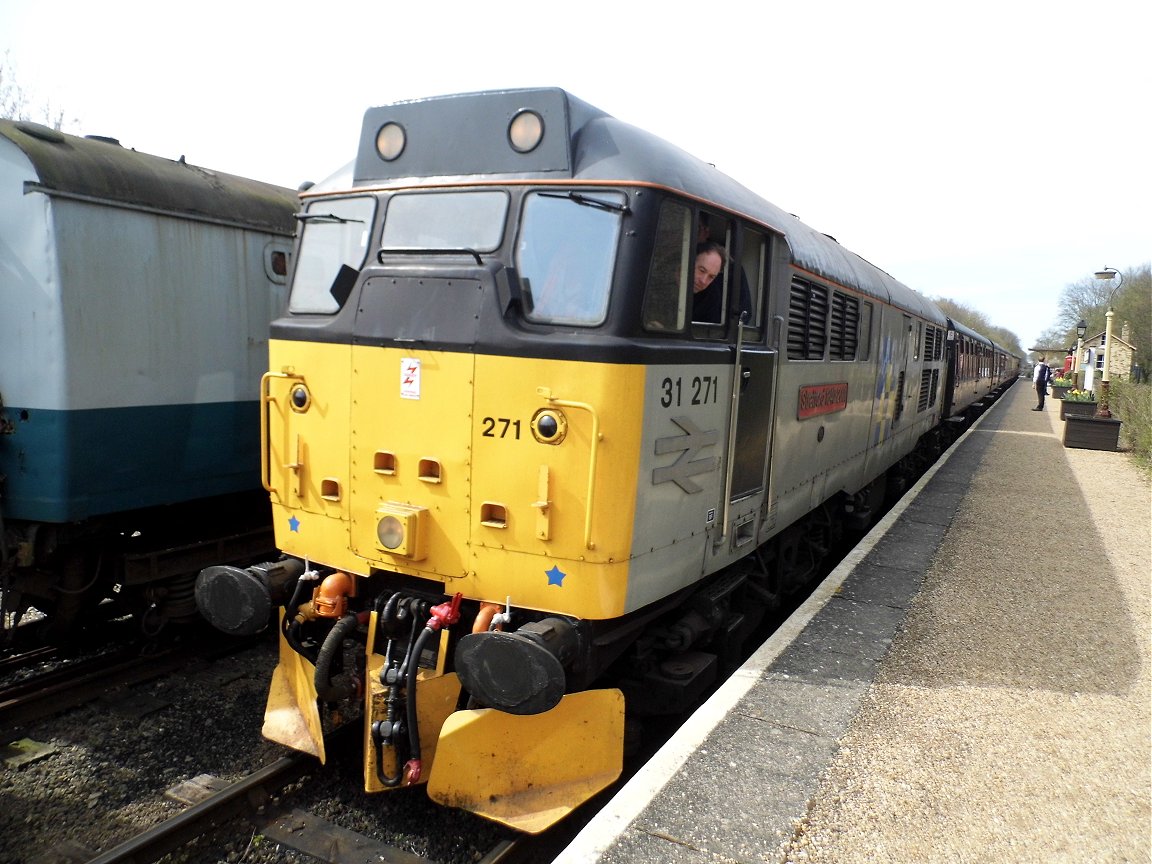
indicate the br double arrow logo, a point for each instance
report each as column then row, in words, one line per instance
column 688, row 445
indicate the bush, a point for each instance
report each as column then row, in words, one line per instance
column 1132, row 403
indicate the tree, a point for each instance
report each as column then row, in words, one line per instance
column 14, row 101
column 1088, row 300
column 979, row 322
column 1055, row 337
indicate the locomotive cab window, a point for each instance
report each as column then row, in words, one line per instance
column 566, row 254
column 673, row 254
column 696, row 267
column 333, row 246
column 710, row 279
column 466, row 222
column 753, row 278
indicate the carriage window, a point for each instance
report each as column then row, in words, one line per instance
column 566, row 253
column 673, row 256
column 333, row 245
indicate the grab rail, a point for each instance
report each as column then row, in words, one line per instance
column 582, row 406
column 266, row 397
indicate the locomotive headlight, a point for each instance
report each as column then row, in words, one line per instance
column 390, row 530
column 390, row 141
column 400, row 529
column 549, row 426
column 525, row 131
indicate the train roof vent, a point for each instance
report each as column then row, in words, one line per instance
column 44, row 133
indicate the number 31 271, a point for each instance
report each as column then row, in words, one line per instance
column 701, row 390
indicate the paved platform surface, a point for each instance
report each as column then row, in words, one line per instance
column 970, row 685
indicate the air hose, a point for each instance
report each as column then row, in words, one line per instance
column 326, row 689
column 443, row 615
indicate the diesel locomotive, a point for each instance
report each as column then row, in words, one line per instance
column 137, row 293
column 524, row 486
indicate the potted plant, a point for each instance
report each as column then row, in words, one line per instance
column 1061, row 386
column 1078, row 403
column 1091, row 432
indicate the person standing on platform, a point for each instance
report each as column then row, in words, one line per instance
column 1040, row 377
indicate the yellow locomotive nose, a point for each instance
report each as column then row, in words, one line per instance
column 521, row 672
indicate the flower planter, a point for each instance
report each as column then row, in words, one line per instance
column 1058, row 392
column 1069, row 408
column 1091, row 433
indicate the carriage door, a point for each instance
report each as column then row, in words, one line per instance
column 756, row 371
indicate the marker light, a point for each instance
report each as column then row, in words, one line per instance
column 390, row 141
column 526, row 131
column 300, row 398
column 549, row 426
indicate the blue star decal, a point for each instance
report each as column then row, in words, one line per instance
column 555, row 576
column 294, row 525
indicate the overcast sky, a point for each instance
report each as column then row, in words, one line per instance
column 991, row 151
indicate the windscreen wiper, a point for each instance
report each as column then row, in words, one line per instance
column 326, row 218
column 589, row 201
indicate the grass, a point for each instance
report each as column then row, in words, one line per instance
column 1132, row 403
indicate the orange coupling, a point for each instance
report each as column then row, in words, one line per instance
column 330, row 599
column 488, row 611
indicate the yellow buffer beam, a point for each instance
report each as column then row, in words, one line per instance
column 530, row 771
column 292, row 716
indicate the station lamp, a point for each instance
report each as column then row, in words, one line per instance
column 1108, row 273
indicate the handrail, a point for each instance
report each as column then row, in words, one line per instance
column 265, row 445
column 588, row 505
column 734, row 416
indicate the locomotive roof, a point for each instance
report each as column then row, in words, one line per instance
column 594, row 147
column 101, row 170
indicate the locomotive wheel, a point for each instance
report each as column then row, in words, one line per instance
column 75, row 592
column 792, row 563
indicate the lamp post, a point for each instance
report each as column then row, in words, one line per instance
column 1102, row 406
column 1081, row 329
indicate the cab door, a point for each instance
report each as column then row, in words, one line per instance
column 753, row 387
column 755, row 371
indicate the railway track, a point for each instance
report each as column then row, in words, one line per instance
column 66, row 687
column 245, row 805
column 59, row 689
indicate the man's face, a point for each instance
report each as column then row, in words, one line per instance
column 707, row 268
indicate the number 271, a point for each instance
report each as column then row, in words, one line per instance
column 500, row 427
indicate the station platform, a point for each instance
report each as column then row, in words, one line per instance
column 971, row 684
